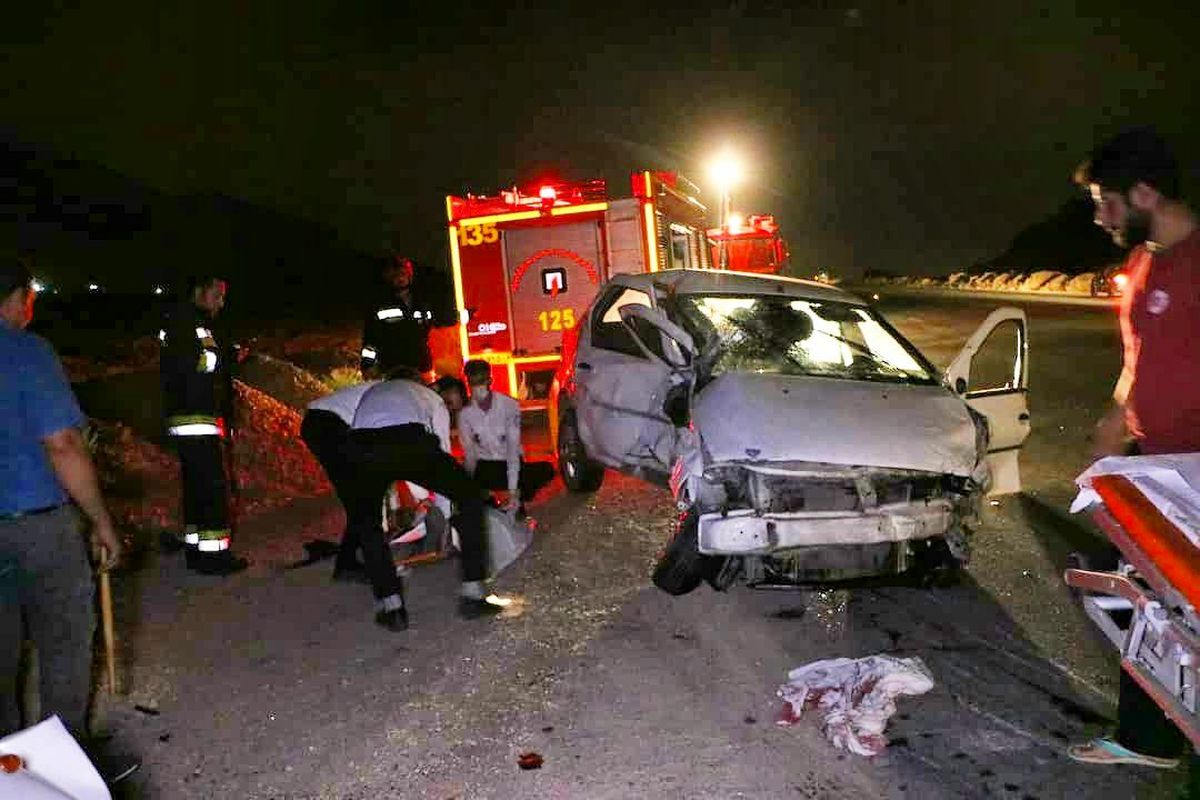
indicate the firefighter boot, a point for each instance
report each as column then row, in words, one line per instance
column 223, row 562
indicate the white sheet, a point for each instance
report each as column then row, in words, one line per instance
column 55, row 766
column 1170, row 482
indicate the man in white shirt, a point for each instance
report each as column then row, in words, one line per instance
column 401, row 431
column 325, row 429
column 489, row 428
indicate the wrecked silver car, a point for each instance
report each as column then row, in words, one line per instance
column 804, row 439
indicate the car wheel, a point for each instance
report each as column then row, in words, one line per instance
column 936, row 566
column 579, row 472
column 681, row 566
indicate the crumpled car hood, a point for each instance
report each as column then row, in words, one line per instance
column 752, row 417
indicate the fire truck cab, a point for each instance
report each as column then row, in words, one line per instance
column 526, row 265
column 751, row 244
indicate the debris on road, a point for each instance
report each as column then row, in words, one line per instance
column 530, row 761
column 856, row 697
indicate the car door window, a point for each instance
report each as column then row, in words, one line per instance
column 997, row 366
column 608, row 332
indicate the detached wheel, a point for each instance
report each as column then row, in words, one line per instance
column 682, row 567
column 579, row 472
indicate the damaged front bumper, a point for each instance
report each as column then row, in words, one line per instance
column 746, row 532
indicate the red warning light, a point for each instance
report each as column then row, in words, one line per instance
column 548, row 194
column 1120, row 279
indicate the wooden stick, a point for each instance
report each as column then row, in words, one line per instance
column 106, row 618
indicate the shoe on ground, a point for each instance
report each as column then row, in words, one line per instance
column 395, row 620
column 490, row 606
column 1108, row 751
column 350, row 573
column 221, row 563
column 113, row 767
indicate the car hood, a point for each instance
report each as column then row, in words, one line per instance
column 749, row 417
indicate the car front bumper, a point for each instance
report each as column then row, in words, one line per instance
column 743, row 532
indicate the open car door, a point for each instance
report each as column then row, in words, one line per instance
column 992, row 374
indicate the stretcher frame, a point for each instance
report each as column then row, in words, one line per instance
column 1158, row 644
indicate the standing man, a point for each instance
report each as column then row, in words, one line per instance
column 325, row 429
column 1134, row 183
column 396, row 330
column 489, row 428
column 401, row 431
column 46, row 585
column 197, row 386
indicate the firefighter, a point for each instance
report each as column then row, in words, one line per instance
column 197, row 386
column 396, row 329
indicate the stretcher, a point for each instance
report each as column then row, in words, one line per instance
column 1149, row 507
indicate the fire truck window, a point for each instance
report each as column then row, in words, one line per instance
column 680, row 247
column 609, row 332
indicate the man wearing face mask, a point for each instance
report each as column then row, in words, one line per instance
column 197, row 384
column 1134, row 182
column 489, row 428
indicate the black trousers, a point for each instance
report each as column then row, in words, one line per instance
column 380, row 456
column 205, row 484
column 327, row 437
column 493, row 475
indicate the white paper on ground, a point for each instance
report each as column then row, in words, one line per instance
column 53, row 756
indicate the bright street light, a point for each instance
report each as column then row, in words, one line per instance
column 37, row 286
column 736, row 221
column 726, row 171
column 92, row 287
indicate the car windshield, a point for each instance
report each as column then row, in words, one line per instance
column 783, row 335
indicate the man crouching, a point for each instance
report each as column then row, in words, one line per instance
column 401, row 431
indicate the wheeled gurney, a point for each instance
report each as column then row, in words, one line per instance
column 1149, row 507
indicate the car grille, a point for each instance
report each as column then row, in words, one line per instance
column 774, row 493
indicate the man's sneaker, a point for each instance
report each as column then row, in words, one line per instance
column 473, row 608
column 394, row 620
column 221, row 563
column 350, row 573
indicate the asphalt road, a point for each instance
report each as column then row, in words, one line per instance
column 276, row 683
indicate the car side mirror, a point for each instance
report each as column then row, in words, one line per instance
column 678, row 349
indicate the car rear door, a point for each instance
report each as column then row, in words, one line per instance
column 992, row 374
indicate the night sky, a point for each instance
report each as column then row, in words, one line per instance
column 894, row 135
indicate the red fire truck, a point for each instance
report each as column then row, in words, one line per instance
column 527, row 263
column 752, row 244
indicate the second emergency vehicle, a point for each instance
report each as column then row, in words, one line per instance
column 527, row 263
column 750, row 244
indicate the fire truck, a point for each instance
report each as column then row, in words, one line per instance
column 752, row 244
column 526, row 264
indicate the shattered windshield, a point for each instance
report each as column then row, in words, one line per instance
column 783, row 335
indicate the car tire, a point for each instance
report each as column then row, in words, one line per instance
column 937, row 568
column 579, row 472
column 681, row 566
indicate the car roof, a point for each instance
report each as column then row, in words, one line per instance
column 711, row 281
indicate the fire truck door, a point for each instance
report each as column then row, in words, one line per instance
column 553, row 273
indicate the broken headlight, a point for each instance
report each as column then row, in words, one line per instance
column 731, row 478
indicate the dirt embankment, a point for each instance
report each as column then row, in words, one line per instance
column 140, row 474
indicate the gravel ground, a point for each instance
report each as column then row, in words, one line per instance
column 276, row 683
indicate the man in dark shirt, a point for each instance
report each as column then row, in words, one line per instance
column 396, row 329
column 1134, row 183
column 46, row 586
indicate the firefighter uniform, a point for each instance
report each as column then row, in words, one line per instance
column 396, row 334
column 197, row 388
